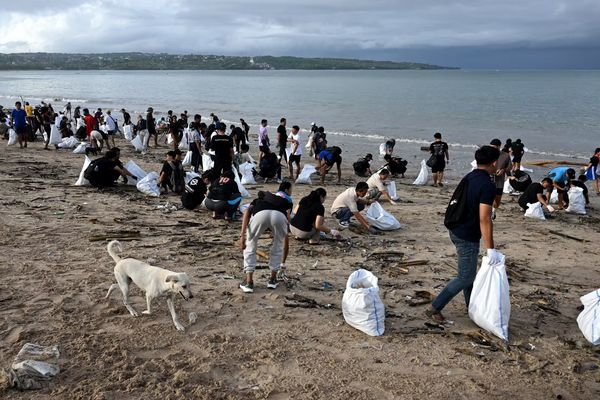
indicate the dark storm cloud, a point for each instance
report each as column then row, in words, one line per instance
column 311, row 27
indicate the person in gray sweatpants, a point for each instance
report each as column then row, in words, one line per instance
column 269, row 211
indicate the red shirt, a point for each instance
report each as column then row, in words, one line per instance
column 90, row 123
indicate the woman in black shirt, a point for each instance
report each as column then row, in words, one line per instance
column 223, row 196
column 307, row 222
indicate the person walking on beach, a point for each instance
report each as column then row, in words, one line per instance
column 89, row 126
column 268, row 211
column 295, row 151
column 222, row 145
column 263, row 139
column 474, row 223
column 19, row 121
column 503, row 166
column 439, row 149
column 151, row 125
column 282, row 140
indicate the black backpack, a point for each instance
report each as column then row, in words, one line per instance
column 177, row 177
column 90, row 171
column 457, row 209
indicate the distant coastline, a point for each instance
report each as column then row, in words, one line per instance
column 163, row 61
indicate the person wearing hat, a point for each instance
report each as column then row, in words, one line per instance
column 503, row 166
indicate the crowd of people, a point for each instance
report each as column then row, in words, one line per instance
column 217, row 189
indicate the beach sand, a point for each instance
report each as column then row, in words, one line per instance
column 54, row 279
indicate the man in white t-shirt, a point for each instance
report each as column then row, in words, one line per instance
column 350, row 203
column 378, row 186
column 295, row 151
column 263, row 139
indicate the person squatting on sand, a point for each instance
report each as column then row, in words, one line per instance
column 105, row 171
column 223, row 197
column 475, row 224
column 267, row 211
column 378, row 186
column 349, row 204
column 308, row 219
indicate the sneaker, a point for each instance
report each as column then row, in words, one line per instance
column 272, row 284
column 344, row 224
column 247, row 287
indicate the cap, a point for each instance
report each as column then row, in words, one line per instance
column 312, row 124
column 496, row 142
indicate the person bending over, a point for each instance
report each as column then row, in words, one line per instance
column 396, row 165
column 535, row 193
column 269, row 165
column 350, row 203
column 267, row 211
column 327, row 158
column 378, row 186
column 224, row 197
column 362, row 167
column 105, row 171
column 561, row 176
column 308, row 219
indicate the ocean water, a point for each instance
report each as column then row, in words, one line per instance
column 555, row 113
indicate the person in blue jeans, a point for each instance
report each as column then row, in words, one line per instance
column 349, row 204
column 475, row 225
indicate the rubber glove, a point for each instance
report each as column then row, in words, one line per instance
column 495, row 257
column 550, row 208
column 335, row 233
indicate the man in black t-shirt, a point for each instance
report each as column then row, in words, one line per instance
column 282, row 139
column 475, row 223
column 269, row 211
column 517, row 150
column 535, row 193
column 222, row 145
column 151, row 125
column 439, row 149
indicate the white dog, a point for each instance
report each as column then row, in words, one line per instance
column 156, row 282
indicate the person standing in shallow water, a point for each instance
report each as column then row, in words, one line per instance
column 476, row 224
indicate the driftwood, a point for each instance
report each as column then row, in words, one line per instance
column 566, row 236
column 121, row 235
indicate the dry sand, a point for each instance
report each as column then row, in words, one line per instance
column 252, row 346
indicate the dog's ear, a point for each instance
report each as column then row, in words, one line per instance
column 172, row 278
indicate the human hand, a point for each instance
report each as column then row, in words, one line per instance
column 495, row 257
column 242, row 242
column 550, row 208
column 335, row 233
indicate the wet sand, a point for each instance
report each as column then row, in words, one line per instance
column 55, row 276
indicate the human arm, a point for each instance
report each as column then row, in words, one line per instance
column 339, row 172
column 245, row 221
column 362, row 220
column 487, row 232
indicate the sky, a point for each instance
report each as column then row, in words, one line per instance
column 499, row 34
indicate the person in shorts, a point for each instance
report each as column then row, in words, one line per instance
column 561, row 176
column 591, row 171
column 517, row 149
column 263, row 139
column 440, row 150
column 295, row 151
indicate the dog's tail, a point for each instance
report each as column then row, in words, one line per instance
column 111, row 250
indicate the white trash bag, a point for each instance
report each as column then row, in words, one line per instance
column 82, row 181
column 241, row 187
column 149, row 185
column 136, row 171
column 361, row 305
column 185, row 140
column 207, row 162
column 508, row 189
column 80, row 149
column 474, row 166
column 55, row 137
column 589, row 319
column 137, row 143
column 391, row 189
column 382, row 150
column 576, row 201
column 381, row 219
column 69, row 143
column 304, row 176
column 12, row 137
column 489, row 306
column 187, row 160
column 554, row 197
column 535, row 211
column 127, row 132
column 247, row 175
column 423, row 175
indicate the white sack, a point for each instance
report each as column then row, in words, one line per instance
column 304, row 176
column 381, row 219
column 187, row 160
column 136, row 171
column 55, row 137
column 589, row 319
column 423, row 175
column 576, row 201
column 207, row 163
column 554, row 197
column 137, row 143
column 247, row 175
column 241, row 187
column 149, row 185
column 528, row 170
column 474, row 165
column 508, row 189
column 82, row 181
column 382, row 149
column 185, row 140
column 391, row 189
column 80, row 149
column 12, row 137
column 169, row 139
column 361, row 305
column 489, row 306
column 535, row 211
column 127, row 132
column 68, row 143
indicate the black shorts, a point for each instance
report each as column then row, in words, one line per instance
column 295, row 158
column 439, row 166
column 263, row 148
column 104, row 135
column 336, row 160
column 20, row 130
column 499, row 191
column 517, row 159
column 111, row 133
